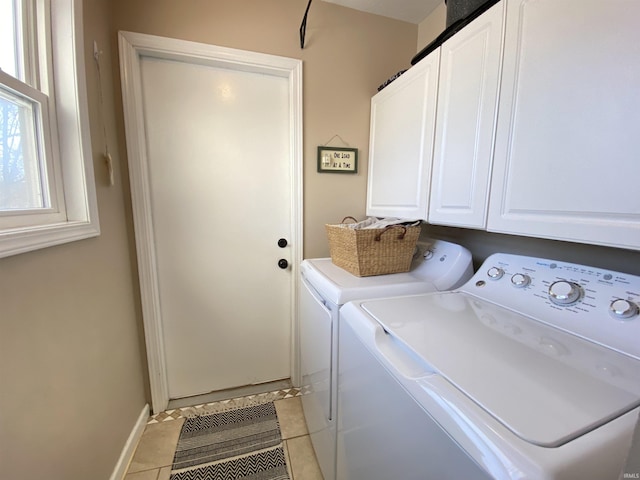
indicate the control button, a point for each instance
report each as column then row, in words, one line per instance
column 563, row 292
column 428, row 254
column 608, row 276
column 520, row 280
column 495, row 273
column 623, row 309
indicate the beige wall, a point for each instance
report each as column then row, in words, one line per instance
column 432, row 26
column 346, row 56
column 71, row 370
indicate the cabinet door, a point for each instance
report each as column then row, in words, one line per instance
column 465, row 124
column 567, row 145
column 401, row 143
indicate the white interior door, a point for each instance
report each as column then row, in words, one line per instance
column 221, row 190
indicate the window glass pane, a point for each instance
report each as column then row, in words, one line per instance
column 21, row 172
column 9, row 38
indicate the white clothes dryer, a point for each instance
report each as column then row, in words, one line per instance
column 531, row 370
column 437, row 266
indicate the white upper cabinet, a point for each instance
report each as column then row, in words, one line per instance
column 401, row 143
column 465, row 124
column 567, row 153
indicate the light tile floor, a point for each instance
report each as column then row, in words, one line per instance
column 154, row 454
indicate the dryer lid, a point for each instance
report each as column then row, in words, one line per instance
column 547, row 386
column 339, row 286
column 437, row 265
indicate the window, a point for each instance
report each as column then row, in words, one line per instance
column 47, row 195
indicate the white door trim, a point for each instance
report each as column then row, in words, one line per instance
column 134, row 46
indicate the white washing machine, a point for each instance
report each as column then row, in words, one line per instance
column 531, row 370
column 437, row 266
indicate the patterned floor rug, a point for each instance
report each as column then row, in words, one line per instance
column 241, row 444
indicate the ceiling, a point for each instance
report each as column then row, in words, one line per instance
column 412, row 11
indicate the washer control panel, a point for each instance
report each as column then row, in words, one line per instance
column 563, row 292
column 596, row 304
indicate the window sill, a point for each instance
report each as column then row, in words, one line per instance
column 13, row 242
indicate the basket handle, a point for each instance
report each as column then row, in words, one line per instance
column 389, row 227
column 345, row 218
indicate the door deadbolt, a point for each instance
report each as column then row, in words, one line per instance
column 282, row 242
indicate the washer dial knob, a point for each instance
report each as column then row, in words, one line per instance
column 520, row 280
column 623, row 309
column 495, row 273
column 563, row 292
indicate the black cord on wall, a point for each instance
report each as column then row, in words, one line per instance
column 303, row 26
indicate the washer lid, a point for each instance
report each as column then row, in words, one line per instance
column 546, row 386
column 339, row 286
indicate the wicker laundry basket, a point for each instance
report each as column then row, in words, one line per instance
column 376, row 251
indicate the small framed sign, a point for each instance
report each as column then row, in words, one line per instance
column 337, row 160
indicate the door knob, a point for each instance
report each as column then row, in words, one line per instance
column 282, row 263
column 282, row 242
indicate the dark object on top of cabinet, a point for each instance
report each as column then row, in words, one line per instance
column 391, row 79
column 457, row 25
column 459, row 9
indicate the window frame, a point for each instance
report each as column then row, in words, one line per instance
column 69, row 135
column 51, row 180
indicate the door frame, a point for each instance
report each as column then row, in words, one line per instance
column 132, row 47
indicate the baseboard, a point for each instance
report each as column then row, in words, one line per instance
column 130, row 447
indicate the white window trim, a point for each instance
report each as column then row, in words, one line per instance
column 74, row 141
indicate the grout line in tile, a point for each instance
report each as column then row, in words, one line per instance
column 288, row 459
